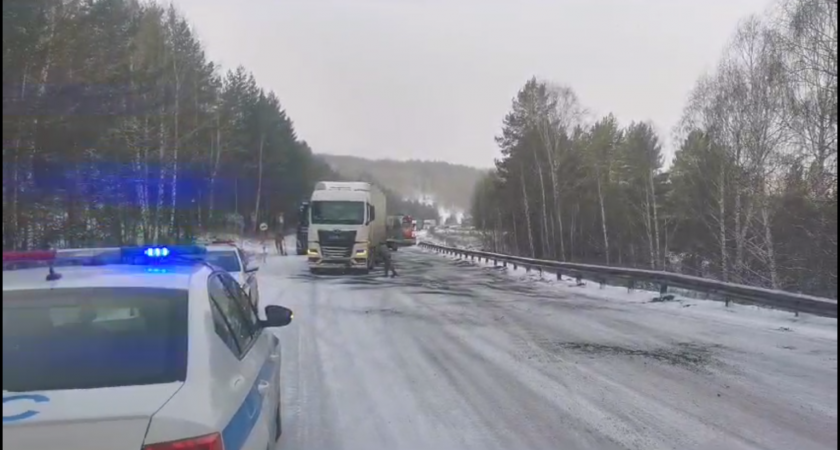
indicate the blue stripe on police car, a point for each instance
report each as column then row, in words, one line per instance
column 37, row 398
column 242, row 423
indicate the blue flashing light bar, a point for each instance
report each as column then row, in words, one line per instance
column 162, row 254
column 142, row 256
column 156, row 252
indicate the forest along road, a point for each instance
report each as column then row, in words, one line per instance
column 452, row 356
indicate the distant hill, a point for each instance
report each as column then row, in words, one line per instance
column 449, row 186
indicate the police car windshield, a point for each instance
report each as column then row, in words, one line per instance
column 338, row 213
column 225, row 260
column 86, row 338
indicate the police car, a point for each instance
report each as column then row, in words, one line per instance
column 132, row 348
column 226, row 255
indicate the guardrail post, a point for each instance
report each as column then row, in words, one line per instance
column 579, row 279
column 559, row 276
column 663, row 289
column 631, row 284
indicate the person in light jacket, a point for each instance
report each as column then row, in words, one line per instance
column 280, row 235
column 280, row 243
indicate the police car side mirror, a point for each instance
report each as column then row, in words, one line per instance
column 251, row 269
column 277, row 316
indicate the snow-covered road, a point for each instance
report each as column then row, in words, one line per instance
column 451, row 356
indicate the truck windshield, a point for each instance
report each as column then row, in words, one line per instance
column 338, row 213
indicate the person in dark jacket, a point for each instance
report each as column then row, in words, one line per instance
column 387, row 260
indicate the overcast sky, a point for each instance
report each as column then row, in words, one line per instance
column 433, row 79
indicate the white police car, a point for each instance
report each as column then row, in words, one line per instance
column 148, row 353
column 227, row 256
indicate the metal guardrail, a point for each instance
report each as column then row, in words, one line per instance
column 788, row 301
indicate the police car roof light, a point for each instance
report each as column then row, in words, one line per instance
column 163, row 252
column 156, row 252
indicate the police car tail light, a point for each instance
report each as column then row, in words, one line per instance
column 208, row 442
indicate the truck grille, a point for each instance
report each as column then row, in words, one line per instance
column 336, row 252
column 336, row 243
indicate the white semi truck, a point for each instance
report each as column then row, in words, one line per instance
column 346, row 226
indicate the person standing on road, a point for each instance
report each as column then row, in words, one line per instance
column 264, row 254
column 280, row 243
column 280, row 236
column 387, row 260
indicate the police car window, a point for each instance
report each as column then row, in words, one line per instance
column 86, row 338
column 242, row 299
column 242, row 330
column 222, row 328
column 225, row 260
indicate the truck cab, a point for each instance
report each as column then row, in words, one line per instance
column 345, row 226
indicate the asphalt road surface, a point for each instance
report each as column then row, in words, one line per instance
column 451, row 356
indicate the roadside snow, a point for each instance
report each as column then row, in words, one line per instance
column 453, row 355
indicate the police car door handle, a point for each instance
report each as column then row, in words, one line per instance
column 274, row 356
column 237, row 381
column 263, row 386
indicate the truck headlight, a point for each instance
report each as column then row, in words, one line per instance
column 311, row 252
column 361, row 253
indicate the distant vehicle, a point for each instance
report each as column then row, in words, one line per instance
column 429, row 224
column 302, row 228
column 234, row 261
column 346, row 226
column 136, row 349
column 402, row 231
